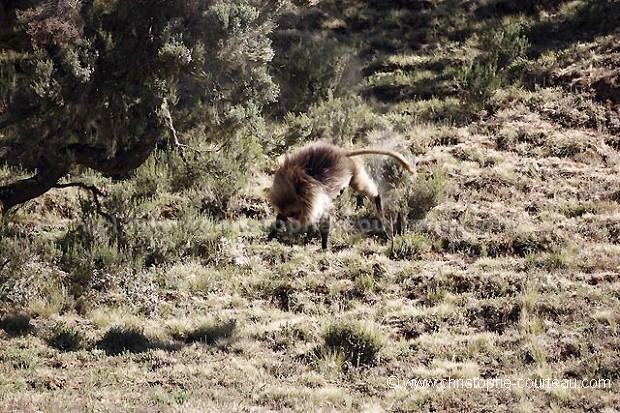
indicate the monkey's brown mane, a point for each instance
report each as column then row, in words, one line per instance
column 292, row 185
column 325, row 163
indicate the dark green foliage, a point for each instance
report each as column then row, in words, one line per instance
column 501, row 61
column 16, row 325
column 101, row 84
column 496, row 8
column 531, row 242
column 409, row 247
column 582, row 21
column 86, row 250
column 226, row 174
column 342, row 121
column 413, row 200
column 66, row 338
column 495, row 315
column 426, row 193
column 311, row 69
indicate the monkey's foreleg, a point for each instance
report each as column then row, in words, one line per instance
column 379, row 206
column 278, row 226
column 324, row 224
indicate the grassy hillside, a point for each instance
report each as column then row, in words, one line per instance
column 508, row 268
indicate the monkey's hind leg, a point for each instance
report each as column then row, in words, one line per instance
column 379, row 205
column 361, row 182
column 364, row 185
column 324, row 225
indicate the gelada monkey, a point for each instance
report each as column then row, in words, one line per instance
column 309, row 178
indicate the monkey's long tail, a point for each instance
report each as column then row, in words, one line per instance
column 372, row 151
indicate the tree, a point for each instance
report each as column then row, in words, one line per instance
column 99, row 83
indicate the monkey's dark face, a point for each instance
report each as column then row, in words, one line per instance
column 291, row 210
column 286, row 193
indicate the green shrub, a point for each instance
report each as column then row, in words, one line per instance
column 364, row 284
column 227, row 174
column 87, row 251
column 501, row 60
column 150, row 179
column 16, row 325
column 540, row 241
column 36, row 287
column 343, row 121
column 448, row 110
column 311, row 68
column 209, row 174
column 417, row 198
column 551, row 261
column 357, row 344
column 66, row 338
column 435, row 294
column 409, row 246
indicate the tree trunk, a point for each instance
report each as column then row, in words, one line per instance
column 49, row 173
column 18, row 192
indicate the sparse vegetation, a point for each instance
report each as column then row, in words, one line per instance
column 155, row 289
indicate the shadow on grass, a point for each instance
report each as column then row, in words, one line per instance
column 589, row 21
column 502, row 8
column 211, row 333
column 119, row 340
column 65, row 337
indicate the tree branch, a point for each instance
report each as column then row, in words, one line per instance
column 96, row 193
column 122, row 161
column 4, row 264
column 49, row 172
column 165, row 108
